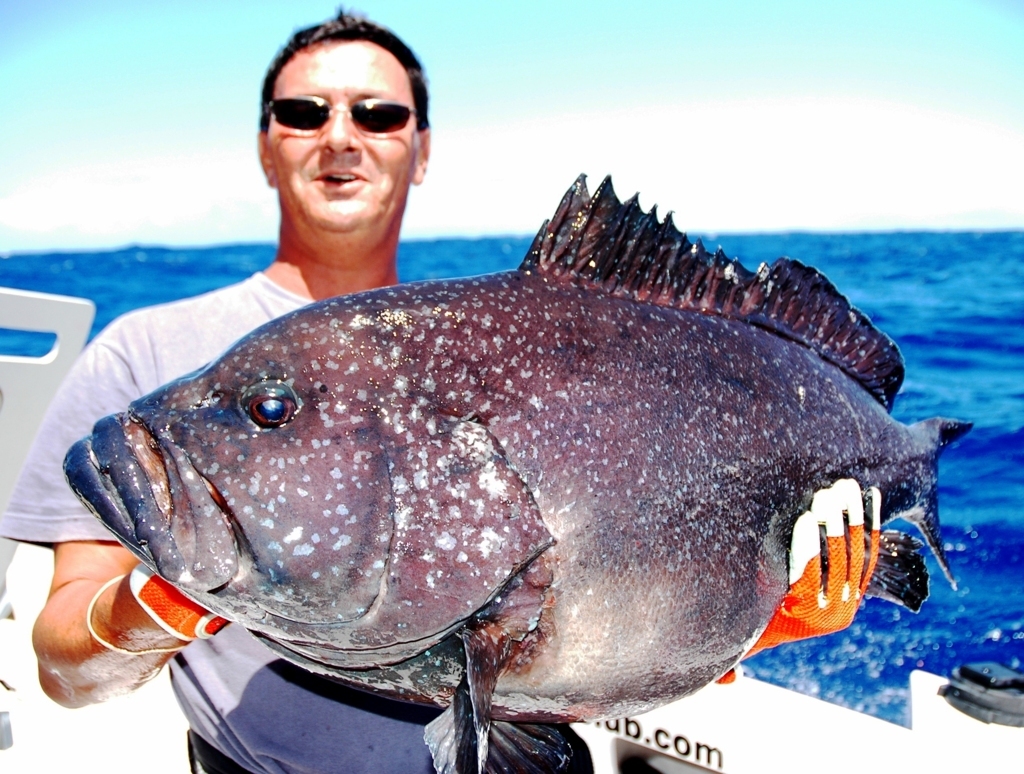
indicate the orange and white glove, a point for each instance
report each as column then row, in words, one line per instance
column 814, row 605
column 175, row 613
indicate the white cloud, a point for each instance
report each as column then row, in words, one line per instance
column 214, row 197
column 726, row 166
column 736, row 166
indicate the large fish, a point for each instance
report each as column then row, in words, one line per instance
column 559, row 493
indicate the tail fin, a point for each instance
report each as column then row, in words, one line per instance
column 940, row 432
column 946, row 430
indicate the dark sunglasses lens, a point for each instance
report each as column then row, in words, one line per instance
column 301, row 113
column 380, row 116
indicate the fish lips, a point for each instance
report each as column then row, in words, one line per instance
column 146, row 491
column 97, row 492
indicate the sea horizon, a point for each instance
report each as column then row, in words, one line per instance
column 702, row 234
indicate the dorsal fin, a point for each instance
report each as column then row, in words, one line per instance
column 599, row 242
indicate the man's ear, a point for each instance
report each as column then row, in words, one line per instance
column 422, row 156
column 263, row 145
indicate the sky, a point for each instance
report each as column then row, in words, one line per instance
column 131, row 123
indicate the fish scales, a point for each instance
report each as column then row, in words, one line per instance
column 589, row 449
column 594, row 492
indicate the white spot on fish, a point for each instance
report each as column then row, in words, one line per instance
column 419, row 479
column 303, row 549
column 403, row 518
column 294, row 535
column 490, row 483
column 489, row 541
column 446, row 542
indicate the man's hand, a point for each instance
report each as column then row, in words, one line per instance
column 173, row 612
column 75, row 669
column 825, row 602
column 822, row 603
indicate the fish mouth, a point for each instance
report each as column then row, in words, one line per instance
column 147, row 454
column 89, row 479
column 147, row 492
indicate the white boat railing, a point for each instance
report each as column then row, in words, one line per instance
column 27, row 384
column 751, row 727
column 38, row 734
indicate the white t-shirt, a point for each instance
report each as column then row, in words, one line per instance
column 266, row 714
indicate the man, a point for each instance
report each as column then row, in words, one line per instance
column 344, row 133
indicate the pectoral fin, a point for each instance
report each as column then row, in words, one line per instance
column 901, row 575
column 465, row 740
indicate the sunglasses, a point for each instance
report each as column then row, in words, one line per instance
column 376, row 116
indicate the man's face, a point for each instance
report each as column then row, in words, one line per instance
column 340, row 178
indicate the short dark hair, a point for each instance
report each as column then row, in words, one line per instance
column 348, row 27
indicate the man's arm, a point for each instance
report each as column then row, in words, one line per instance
column 75, row 669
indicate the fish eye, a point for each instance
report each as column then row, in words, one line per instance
column 270, row 404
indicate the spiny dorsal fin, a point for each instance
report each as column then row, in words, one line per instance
column 600, row 242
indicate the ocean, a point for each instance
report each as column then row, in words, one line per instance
column 953, row 302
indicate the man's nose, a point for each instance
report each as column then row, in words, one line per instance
column 340, row 132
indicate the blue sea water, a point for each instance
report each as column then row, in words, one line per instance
column 954, row 302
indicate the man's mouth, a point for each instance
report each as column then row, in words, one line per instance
column 338, row 178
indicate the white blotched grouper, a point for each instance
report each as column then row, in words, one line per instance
column 560, row 493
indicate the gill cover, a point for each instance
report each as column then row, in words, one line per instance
column 463, row 524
